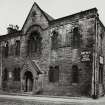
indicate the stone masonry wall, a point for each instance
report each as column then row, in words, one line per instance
column 65, row 56
column 101, row 47
column 34, row 20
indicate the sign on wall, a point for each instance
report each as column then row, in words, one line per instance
column 85, row 56
column 101, row 60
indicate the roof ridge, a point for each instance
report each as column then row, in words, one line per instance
column 68, row 16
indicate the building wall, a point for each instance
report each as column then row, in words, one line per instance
column 33, row 23
column 64, row 56
column 101, row 52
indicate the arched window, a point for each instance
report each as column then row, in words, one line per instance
column 5, row 74
column 54, row 40
column 6, row 49
column 51, row 73
column 34, row 43
column 75, row 74
column 76, row 38
column 17, row 50
column 16, row 74
column 54, row 74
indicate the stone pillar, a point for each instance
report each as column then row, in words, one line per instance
column 40, row 80
column 34, row 85
column 22, row 85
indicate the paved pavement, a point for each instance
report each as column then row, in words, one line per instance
column 39, row 100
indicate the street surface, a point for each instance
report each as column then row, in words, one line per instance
column 40, row 100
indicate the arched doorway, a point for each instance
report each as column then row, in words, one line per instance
column 28, row 79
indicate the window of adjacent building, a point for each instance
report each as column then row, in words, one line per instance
column 75, row 74
column 17, row 50
column 100, row 73
column 54, row 40
column 34, row 42
column 5, row 74
column 54, row 74
column 76, row 38
column 16, row 74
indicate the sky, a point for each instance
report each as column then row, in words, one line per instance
column 15, row 11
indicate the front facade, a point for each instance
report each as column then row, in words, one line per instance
column 62, row 57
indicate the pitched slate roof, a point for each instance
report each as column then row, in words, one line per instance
column 50, row 18
column 76, row 15
column 31, row 65
column 11, row 35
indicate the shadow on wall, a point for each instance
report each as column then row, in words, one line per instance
column 86, row 91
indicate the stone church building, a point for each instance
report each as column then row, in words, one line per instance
column 58, row 57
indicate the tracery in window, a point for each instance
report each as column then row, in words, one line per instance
column 34, row 43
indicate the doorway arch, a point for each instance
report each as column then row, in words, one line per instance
column 28, row 81
column 29, row 76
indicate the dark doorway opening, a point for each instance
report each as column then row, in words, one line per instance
column 28, row 81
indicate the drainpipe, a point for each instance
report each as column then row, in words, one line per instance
column 95, row 95
column 1, row 68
